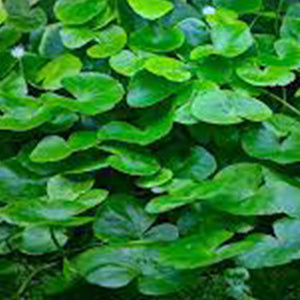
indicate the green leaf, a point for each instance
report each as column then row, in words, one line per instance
column 154, row 10
column 3, row 13
column 38, row 240
column 273, row 251
column 125, row 263
column 217, row 69
column 58, row 213
column 111, row 276
column 228, row 107
column 148, row 182
column 157, row 39
column 95, row 92
column 165, row 232
column 53, row 72
column 146, row 89
column 239, row 6
column 82, row 140
column 202, row 51
column 25, row 19
column 261, row 191
column 204, row 248
column 168, row 202
column 127, row 63
column 199, row 165
column 18, row 183
column 291, row 23
column 51, row 44
column 77, row 12
column 122, row 218
column 13, row 84
column 76, row 37
column 8, row 37
column 268, row 76
column 276, row 139
column 110, row 40
column 230, row 37
column 287, row 55
column 61, row 187
column 133, row 161
column 7, row 234
column 49, row 149
column 155, row 123
column 170, row 68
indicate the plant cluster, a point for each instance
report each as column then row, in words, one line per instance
column 145, row 140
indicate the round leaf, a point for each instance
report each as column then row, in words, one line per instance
column 151, row 10
column 77, row 12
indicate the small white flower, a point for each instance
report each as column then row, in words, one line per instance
column 208, row 10
column 18, row 52
column 157, row 190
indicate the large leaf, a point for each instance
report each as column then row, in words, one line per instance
column 287, row 54
column 203, row 249
column 230, row 37
column 228, row 107
column 122, row 218
column 95, row 92
column 291, row 24
column 42, row 212
column 39, row 240
column 110, row 41
column 151, row 10
column 73, row 37
column 198, row 165
column 18, row 183
column 146, row 89
column 22, row 17
column 77, row 12
column 154, row 124
column 152, row 181
column 170, row 68
column 129, row 160
column 157, row 39
column 127, row 63
column 51, row 148
column 62, row 66
column 61, row 187
column 273, row 251
column 116, row 266
column 268, row 76
column 277, row 139
column 242, row 189
column 51, row 44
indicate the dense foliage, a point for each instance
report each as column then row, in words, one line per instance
column 145, row 141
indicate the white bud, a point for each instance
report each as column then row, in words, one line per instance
column 208, row 10
column 18, row 52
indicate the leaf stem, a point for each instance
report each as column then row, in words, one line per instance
column 285, row 103
column 27, row 282
column 277, row 21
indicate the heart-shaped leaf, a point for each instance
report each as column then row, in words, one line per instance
column 95, row 92
column 110, row 40
column 228, row 107
column 276, row 139
column 53, row 72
